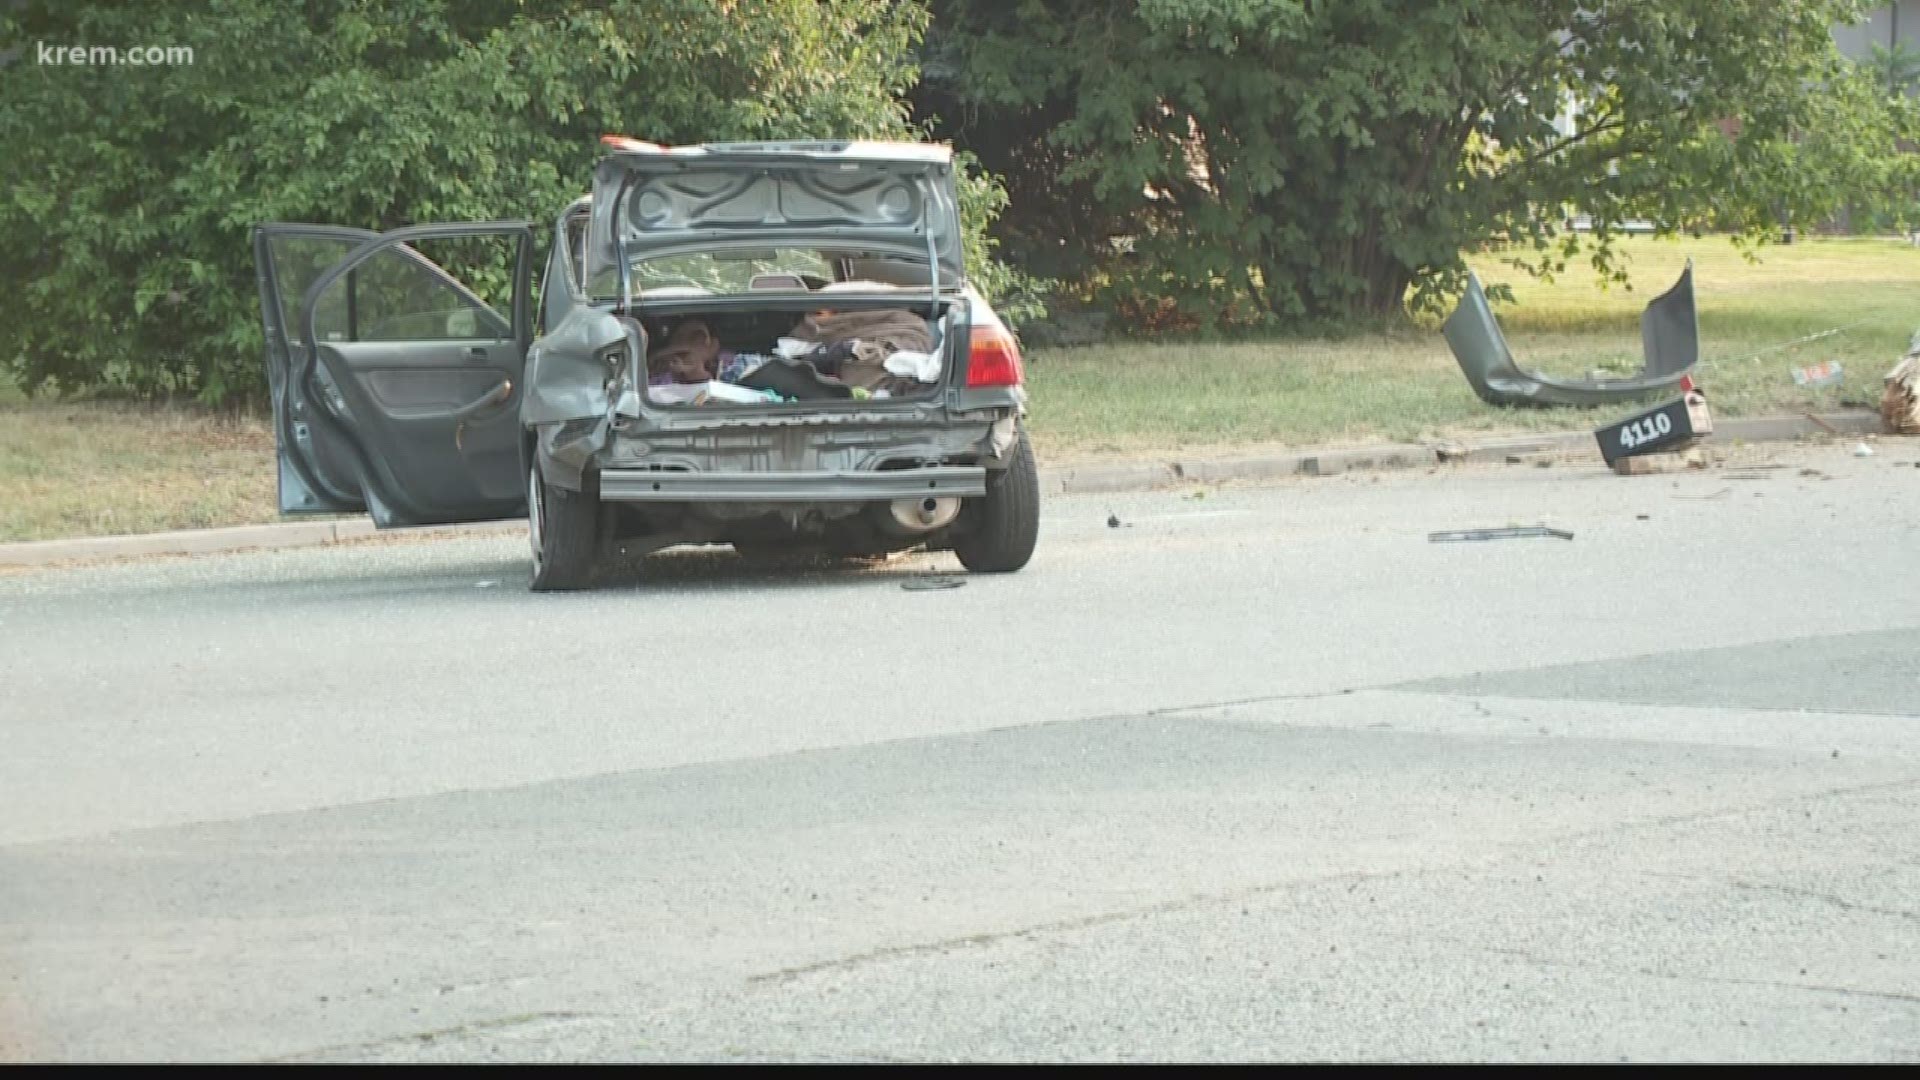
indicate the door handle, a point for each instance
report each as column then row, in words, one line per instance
column 501, row 393
column 498, row 395
column 476, row 352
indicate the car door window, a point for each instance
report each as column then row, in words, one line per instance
column 397, row 295
column 298, row 261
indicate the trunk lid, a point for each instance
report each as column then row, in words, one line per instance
column 652, row 201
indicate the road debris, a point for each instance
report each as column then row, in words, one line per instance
column 1862, row 450
column 1669, row 335
column 1721, row 494
column 1824, row 426
column 1114, row 522
column 1651, row 464
column 925, row 584
column 1461, row 535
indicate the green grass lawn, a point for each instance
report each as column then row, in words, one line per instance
column 91, row 468
column 76, row 468
column 1130, row 397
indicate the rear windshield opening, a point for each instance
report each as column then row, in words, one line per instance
column 746, row 271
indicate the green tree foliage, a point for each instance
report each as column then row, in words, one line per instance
column 1289, row 160
column 1896, row 68
column 127, row 193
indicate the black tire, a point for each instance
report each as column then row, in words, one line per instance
column 563, row 529
column 1002, row 526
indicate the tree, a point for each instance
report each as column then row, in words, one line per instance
column 127, row 193
column 1896, row 68
column 1288, row 160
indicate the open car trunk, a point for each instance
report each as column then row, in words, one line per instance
column 793, row 353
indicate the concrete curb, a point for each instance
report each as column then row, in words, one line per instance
column 1147, row 476
column 1090, row 479
column 233, row 538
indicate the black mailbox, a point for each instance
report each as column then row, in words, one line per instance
column 1672, row 426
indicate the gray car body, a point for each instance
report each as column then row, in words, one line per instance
column 586, row 414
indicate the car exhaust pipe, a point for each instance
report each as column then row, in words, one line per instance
column 924, row 514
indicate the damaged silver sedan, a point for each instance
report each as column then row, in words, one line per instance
column 769, row 345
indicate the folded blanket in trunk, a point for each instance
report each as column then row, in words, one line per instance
column 892, row 329
column 875, row 335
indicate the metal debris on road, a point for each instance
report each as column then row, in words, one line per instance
column 1456, row 536
column 1721, row 494
column 923, row 584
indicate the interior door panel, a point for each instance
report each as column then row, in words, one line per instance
column 399, row 386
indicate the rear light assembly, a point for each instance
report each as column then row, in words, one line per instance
column 993, row 357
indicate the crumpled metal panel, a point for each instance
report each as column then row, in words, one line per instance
column 1669, row 337
column 566, row 379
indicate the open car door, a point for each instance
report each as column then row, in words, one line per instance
column 396, row 388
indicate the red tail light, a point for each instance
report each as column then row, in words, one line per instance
column 993, row 358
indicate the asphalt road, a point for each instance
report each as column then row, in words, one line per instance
column 1262, row 774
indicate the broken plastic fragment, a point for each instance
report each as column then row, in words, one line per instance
column 1456, row 536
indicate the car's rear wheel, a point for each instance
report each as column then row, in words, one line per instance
column 563, row 528
column 1003, row 525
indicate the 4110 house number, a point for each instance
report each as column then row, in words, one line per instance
column 1645, row 430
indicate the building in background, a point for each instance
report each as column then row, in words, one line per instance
column 1888, row 27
